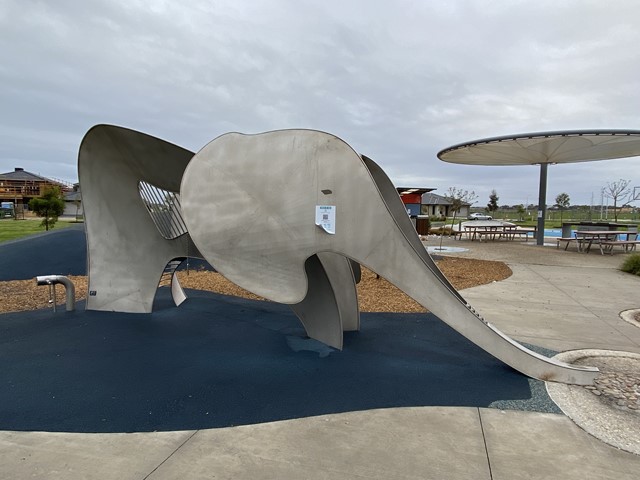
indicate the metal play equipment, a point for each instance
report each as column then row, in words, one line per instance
column 288, row 215
column 52, row 281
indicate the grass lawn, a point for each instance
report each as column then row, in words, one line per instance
column 11, row 229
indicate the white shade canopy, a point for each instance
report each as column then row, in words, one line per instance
column 546, row 147
column 543, row 148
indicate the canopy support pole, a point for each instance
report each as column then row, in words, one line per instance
column 542, row 204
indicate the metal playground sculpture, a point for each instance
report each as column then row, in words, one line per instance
column 289, row 215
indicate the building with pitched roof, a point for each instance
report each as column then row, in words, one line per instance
column 412, row 199
column 21, row 186
column 422, row 201
column 436, row 205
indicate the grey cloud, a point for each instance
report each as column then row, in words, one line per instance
column 398, row 81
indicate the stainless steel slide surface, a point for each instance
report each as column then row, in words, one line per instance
column 279, row 180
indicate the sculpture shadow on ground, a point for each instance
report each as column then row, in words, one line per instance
column 218, row 361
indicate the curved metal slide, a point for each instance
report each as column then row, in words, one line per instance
column 252, row 204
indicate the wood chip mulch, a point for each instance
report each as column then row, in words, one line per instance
column 374, row 294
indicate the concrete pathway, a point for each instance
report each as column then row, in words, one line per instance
column 556, row 299
column 408, row 443
column 561, row 300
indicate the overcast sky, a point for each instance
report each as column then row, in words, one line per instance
column 397, row 80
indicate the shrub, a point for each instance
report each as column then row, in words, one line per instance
column 632, row 264
column 49, row 206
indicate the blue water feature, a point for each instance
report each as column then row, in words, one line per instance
column 557, row 233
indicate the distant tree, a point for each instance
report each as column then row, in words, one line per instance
column 521, row 211
column 459, row 198
column 49, row 206
column 492, row 206
column 617, row 191
column 562, row 201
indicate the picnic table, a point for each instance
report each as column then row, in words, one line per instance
column 512, row 232
column 567, row 227
column 477, row 230
column 605, row 239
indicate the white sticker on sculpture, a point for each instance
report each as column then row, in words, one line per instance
column 326, row 218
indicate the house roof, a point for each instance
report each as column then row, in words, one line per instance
column 435, row 199
column 413, row 190
column 72, row 196
column 21, row 175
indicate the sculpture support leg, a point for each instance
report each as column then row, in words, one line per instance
column 126, row 252
column 318, row 311
column 331, row 304
column 343, row 281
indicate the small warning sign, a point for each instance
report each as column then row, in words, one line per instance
column 326, row 218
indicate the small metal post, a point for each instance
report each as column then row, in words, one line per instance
column 52, row 295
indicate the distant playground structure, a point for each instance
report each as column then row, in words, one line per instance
column 289, row 215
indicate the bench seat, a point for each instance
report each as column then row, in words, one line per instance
column 511, row 233
column 568, row 240
column 629, row 245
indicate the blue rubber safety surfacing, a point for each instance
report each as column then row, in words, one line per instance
column 56, row 252
column 218, row 361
